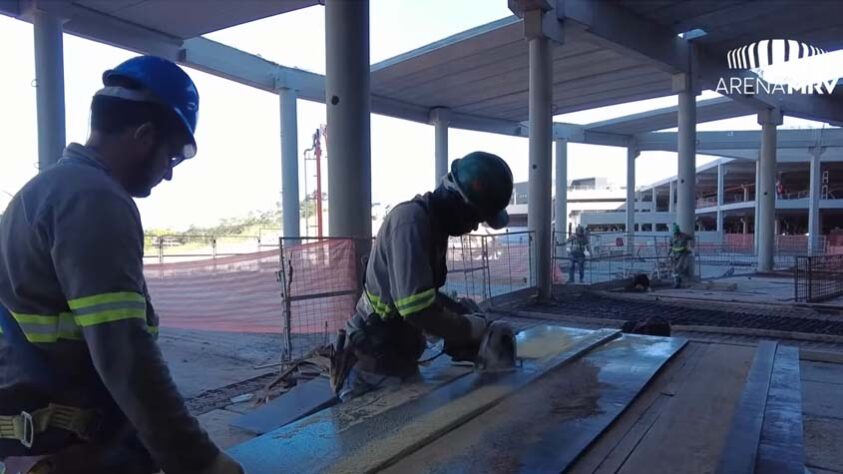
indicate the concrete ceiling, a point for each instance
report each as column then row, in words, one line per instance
column 485, row 72
column 189, row 18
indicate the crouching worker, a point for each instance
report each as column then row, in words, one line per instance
column 401, row 302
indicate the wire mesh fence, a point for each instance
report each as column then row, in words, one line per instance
column 818, row 278
column 320, row 281
column 217, row 284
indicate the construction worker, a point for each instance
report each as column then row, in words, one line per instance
column 578, row 248
column 83, row 386
column 680, row 255
column 401, row 302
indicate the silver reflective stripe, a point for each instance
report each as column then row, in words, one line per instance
column 110, row 306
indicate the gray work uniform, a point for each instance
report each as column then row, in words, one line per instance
column 405, row 269
column 71, row 274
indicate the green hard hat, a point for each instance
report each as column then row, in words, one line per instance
column 485, row 181
column 676, row 228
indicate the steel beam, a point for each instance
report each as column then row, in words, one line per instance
column 631, row 153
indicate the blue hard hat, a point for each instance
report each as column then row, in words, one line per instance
column 168, row 85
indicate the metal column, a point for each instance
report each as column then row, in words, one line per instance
column 541, row 128
column 289, row 163
column 671, row 206
column 561, row 211
column 721, row 178
column 654, row 207
column 440, row 118
column 687, row 145
column 757, row 200
column 814, row 231
column 767, row 203
column 631, row 153
column 49, row 92
column 347, row 100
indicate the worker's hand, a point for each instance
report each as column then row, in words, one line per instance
column 224, row 464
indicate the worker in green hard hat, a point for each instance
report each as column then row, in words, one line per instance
column 401, row 301
column 680, row 255
column 578, row 248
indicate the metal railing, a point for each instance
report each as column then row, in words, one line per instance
column 818, row 278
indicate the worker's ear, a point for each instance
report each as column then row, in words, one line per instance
column 146, row 136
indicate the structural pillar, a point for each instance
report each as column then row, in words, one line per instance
column 687, row 146
column 289, row 163
column 631, row 153
column 815, row 244
column 721, row 179
column 49, row 90
column 769, row 120
column 757, row 200
column 671, row 205
column 347, row 101
column 440, row 118
column 561, row 211
column 541, row 136
column 654, row 207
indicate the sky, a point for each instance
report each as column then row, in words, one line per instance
column 238, row 167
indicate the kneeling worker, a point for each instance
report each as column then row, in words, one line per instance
column 83, row 385
column 400, row 301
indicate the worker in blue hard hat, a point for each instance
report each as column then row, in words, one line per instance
column 83, row 386
column 401, row 301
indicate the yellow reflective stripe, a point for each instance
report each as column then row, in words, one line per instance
column 414, row 304
column 105, row 298
column 35, row 319
column 381, row 308
column 44, row 328
column 110, row 316
column 414, row 299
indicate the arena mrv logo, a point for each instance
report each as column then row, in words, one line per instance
column 782, row 67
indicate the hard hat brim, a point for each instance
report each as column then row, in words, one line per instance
column 499, row 220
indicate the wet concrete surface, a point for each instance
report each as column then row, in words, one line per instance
column 697, row 313
column 200, row 361
column 328, row 443
column 545, row 426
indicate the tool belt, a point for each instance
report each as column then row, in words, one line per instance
column 24, row 427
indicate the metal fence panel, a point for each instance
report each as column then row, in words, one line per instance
column 818, row 278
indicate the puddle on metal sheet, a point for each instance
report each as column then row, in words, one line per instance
column 544, row 341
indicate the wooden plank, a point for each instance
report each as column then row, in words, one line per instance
column 691, row 431
column 547, row 425
column 822, row 399
column 821, row 356
column 216, row 423
column 324, row 444
column 742, row 443
column 781, row 449
column 300, row 401
column 823, row 439
column 609, row 452
column 821, row 372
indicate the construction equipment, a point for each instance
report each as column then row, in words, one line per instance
column 497, row 349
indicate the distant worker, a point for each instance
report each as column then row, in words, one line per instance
column 401, row 301
column 83, row 385
column 680, row 255
column 578, row 248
